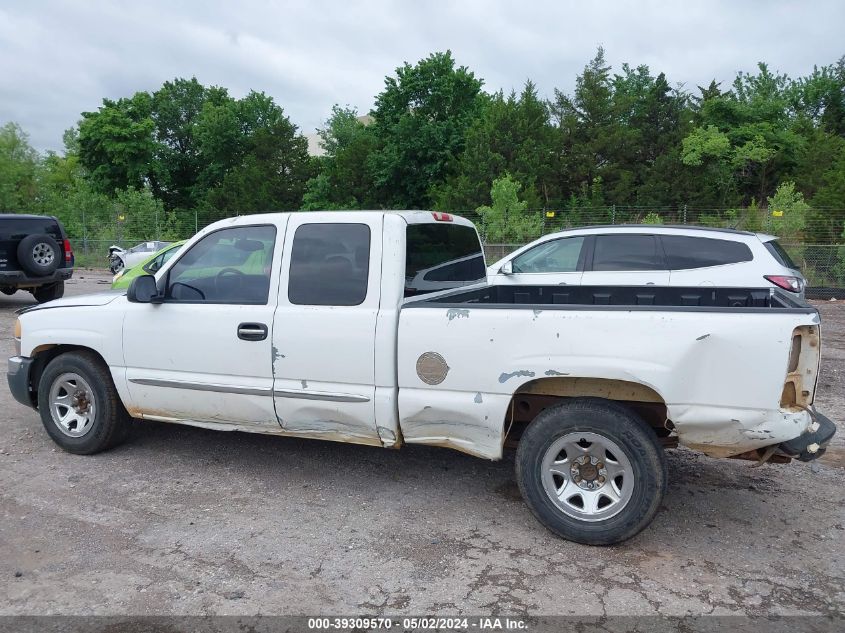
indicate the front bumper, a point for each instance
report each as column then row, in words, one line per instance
column 811, row 444
column 20, row 370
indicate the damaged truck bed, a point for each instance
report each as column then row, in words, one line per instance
column 713, row 360
column 379, row 328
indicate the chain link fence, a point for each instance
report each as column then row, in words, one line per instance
column 816, row 244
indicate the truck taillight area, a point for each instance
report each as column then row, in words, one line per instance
column 68, row 253
column 802, row 368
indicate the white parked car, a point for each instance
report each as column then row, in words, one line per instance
column 640, row 255
column 120, row 258
column 304, row 324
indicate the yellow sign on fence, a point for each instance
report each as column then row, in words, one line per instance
column 777, row 214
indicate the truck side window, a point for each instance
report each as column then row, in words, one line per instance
column 226, row 266
column 627, row 252
column 329, row 265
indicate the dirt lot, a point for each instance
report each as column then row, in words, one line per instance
column 186, row 521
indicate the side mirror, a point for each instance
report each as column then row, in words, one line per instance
column 143, row 289
column 507, row 268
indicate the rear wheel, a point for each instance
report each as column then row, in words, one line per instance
column 79, row 405
column 591, row 471
column 49, row 292
column 38, row 254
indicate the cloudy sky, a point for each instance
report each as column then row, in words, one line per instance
column 61, row 57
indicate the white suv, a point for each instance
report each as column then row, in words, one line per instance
column 635, row 255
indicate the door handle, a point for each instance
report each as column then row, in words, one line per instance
column 252, row 331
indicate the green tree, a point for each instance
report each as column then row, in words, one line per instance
column 820, row 97
column 176, row 111
column 651, row 119
column 116, row 143
column 820, row 176
column 18, row 167
column 195, row 147
column 421, row 118
column 586, row 126
column 137, row 214
column 745, row 140
column 709, row 148
column 787, row 214
column 513, row 135
column 272, row 173
column 506, row 220
column 343, row 181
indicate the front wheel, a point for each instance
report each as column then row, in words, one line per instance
column 79, row 405
column 592, row 471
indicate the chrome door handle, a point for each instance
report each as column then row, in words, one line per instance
column 252, row 331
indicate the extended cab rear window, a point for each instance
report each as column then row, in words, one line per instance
column 684, row 252
column 329, row 265
column 442, row 256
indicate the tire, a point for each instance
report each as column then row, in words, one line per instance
column 39, row 254
column 49, row 292
column 81, row 375
column 8, row 290
column 618, row 456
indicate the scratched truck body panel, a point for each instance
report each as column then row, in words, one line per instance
column 379, row 328
column 720, row 376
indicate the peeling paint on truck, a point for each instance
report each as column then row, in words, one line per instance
column 504, row 377
column 457, row 313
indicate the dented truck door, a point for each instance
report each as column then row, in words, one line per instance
column 324, row 328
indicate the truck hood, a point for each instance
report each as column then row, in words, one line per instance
column 93, row 299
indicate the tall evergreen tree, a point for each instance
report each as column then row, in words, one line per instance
column 421, row 118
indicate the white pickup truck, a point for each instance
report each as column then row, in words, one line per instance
column 324, row 325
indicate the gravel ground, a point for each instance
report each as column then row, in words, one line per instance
column 187, row 521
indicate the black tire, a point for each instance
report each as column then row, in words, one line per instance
column 110, row 421
column 601, row 420
column 8, row 290
column 49, row 292
column 39, row 254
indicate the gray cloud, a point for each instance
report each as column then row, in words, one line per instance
column 60, row 58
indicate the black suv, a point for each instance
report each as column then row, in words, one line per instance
column 35, row 255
